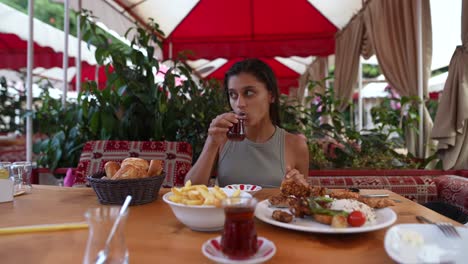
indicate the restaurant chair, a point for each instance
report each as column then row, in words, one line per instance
column 453, row 190
column 176, row 157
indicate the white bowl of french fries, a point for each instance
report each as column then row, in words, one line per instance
column 199, row 206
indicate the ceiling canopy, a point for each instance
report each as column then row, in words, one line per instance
column 248, row 28
column 234, row 28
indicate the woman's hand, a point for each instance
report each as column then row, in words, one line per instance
column 292, row 173
column 220, row 126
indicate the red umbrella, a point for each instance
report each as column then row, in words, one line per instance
column 248, row 28
column 286, row 77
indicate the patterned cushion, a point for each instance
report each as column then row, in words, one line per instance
column 15, row 149
column 453, row 190
column 421, row 189
column 13, row 153
column 176, row 156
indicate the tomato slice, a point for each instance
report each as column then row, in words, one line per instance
column 356, row 218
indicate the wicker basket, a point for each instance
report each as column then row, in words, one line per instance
column 143, row 190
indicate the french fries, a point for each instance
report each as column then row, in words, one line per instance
column 199, row 195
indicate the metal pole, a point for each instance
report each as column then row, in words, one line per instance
column 420, row 80
column 327, row 83
column 360, row 115
column 30, row 63
column 96, row 74
column 78, row 59
column 66, row 29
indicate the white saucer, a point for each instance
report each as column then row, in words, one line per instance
column 212, row 250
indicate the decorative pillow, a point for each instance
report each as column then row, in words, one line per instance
column 453, row 190
column 176, row 156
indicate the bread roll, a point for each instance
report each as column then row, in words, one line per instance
column 111, row 167
column 155, row 168
column 137, row 162
column 129, row 171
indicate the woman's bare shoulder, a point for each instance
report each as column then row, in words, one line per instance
column 297, row 142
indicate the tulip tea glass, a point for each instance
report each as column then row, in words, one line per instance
column 21, row 173
column 237, row 131
column 100, row 221
column 239, row 238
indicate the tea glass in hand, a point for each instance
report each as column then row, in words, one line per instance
column 100, row 221
column 239, row 238
column 21, row 173
column 237, row 131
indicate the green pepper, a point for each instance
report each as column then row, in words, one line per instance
column 323, row 199
column 315, row 208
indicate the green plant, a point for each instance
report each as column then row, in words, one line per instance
column 62, row 129
column 12, row 104
column 335, row 143
column 432, row 106
column 368, row 70
column 402, row 115
column 133, row 105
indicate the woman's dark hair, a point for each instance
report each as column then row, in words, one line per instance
column 264, row 74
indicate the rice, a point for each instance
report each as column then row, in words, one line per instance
column 349, row 205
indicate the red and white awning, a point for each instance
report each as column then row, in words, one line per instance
column 48, row 42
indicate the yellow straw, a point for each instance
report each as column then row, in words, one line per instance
column 42, row 228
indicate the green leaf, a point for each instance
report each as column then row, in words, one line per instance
column 94, row 123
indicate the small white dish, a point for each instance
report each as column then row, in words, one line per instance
column 212, row 250
column 248, row 188
column 425, row 243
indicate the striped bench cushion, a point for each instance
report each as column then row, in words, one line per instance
column 421, row 189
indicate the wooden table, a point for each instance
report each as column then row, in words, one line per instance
column 154, row 235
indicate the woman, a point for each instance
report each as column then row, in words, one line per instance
column 268, row 153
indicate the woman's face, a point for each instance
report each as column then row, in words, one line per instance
column 249, row 95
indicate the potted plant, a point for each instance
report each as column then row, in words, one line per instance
column 334, row 143
column 133, row 105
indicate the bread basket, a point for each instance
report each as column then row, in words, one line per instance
column 143, row 190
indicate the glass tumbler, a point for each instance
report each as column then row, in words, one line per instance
column 100, row 221
column 5, row 170
column 21, row 173
column 239, row 238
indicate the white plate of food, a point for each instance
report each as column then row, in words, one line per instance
column 425, row 243
column 384, row 218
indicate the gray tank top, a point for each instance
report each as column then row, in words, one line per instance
column 253, row 163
